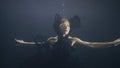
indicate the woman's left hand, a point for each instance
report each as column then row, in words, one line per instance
column 117, row 42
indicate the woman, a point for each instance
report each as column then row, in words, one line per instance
column 62, row 45
column 62, row 28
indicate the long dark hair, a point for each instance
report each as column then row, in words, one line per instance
column 74, row 21
column 57, row 21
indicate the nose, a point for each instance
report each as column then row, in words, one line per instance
column 65, row 27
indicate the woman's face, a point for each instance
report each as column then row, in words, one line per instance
column 64, row 27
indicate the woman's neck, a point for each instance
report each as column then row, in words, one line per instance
column 62, row 36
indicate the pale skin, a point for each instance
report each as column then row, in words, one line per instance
column 65, row 29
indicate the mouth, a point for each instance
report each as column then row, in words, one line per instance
column 65, row 30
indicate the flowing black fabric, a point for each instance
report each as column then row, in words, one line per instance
column 61, row 56
column 57, row 56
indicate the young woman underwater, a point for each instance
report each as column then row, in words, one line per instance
column 62, row 44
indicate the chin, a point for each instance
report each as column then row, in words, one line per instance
column 66, row 33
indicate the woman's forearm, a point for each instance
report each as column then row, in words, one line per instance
column 100, row 44
column 32, row 43
column 29, row 43
column 96, row 44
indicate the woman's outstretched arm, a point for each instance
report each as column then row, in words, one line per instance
column 29, row 43
column 98, row 44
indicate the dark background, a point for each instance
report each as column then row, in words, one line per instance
column 29, row 19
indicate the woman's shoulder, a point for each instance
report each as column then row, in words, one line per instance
column 74, row 38
column 52, row 40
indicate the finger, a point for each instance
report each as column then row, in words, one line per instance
column 16, row 39
column 117, row 44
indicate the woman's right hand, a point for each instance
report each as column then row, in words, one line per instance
column 19, row 41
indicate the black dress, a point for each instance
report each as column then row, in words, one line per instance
column 54, row 56
column 61, row 54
